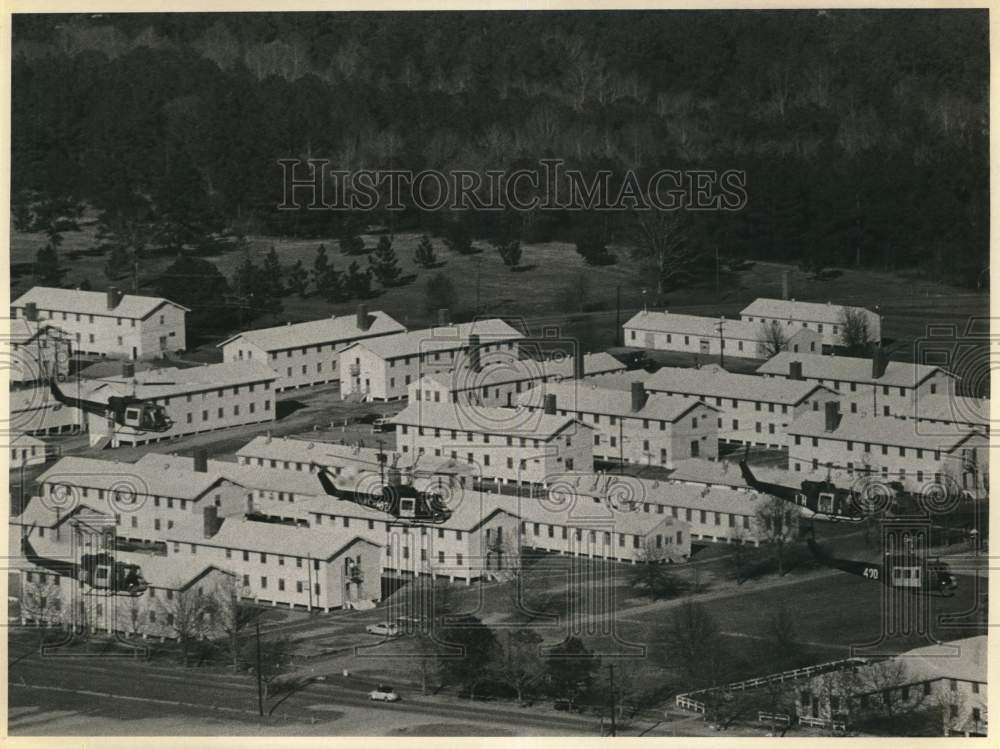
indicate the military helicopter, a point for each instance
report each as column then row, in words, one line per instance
column 900, row 570
column 819, row 497
column 124, row 410
column 100, row 572
column 402, row 501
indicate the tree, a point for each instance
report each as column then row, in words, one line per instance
column 783, row 646
column 273, row 273
column 593, row 250
column 329, row 284
column 383, row 263
column 351, row 244
column 692, row 643
column 41, row 601
column 457, row 238
column 663, row 238
column 476, row 644
column 424, row 255
column 298, row 279
column 187, row 614
column 650, row 575
column 46, row 269
column 441, row 293
column 571, row 668
column 510, row 252
column 517, row 660
column 198, row 284
column 233, row 614
column 772, row 338
column 118, row 263
column 777, row 523
column 275, row 658
column 125, row 228
column 855, row 332
column 358, row 282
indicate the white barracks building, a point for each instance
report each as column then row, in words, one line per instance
column 825, row 319
column 307, row 353
column 108, row 324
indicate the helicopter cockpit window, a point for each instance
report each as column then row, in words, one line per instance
column 101, row 573
column 825, row 502
column 407, row 507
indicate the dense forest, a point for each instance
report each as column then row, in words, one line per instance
column 863, row 134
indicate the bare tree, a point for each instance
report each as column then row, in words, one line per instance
column 42, row 602
column 186, row 615
column 783, row 637
column 777, row 524
column 772, row 338
column 692, row 643
column 650, row 574
column 855, row 331
column 232, row 614
column 517, row 660
column 662, row 237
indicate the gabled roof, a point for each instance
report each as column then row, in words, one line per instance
column 952, row 408
column 336, row 329
column 439, row 339
column 174, row 572
column 20, row 439
column 591, row 513
column 716, row 384
column 41, row 514
column 482, row 419
column 792, row 309
column 877, row 430
column 143, row 479
column 964, row 659
column 850, row 369
column 24, row 331
column 586, row 397
column 190, row 379
column 499, row 370
column 696, row 325
column 92, row 302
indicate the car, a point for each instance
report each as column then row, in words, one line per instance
column 383, row 629
column 382, row 425
column 383, row 693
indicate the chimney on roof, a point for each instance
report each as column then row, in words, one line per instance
column 128, row 370
column 578, row 368
column 364, row 319
column 201, row 460
column 31, row 312
column 832, row 416
column 114, row 297
column 212, row 521
column 443, row 317
column 550, row 404
column 786, row 284
column 795, row 370
column 879, row 362
column 475, row 363
column 638, row 396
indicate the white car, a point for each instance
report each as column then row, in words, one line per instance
column 383, row 693
column 383, row 629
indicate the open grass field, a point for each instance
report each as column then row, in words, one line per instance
column 557, row 288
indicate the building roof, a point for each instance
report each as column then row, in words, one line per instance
column 24, row 331
column 141, row 478
column 722, row 384
column 271, row 538
column 170, row 381
column 38, row 512
column 587, row 512
column 92, row 302
column 335, row 329
column 499, row 370
column 587, row 397
column 21, row 439
column 849, row 369
column 439, row 339
column 175, row 571
column 696, row 325
column 792, row 309
column 964, row 659
column 876, row 430
column 951, row 408
column 482, row 419
column 727, row 473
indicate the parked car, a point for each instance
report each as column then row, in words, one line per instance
column 383, row 629
column 383, row 693
column 382, row 425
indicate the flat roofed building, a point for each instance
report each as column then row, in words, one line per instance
column 710, row 336
column 633, row 426
column 504, row 444
column 826, row 319
column 383, row 368
column 197, row 399
column 109, row 324
column 308, row 353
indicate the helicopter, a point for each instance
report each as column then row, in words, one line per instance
column 101, row 572
column 819, row 497
column 402, row 501
column 900, row 570
column 127, row 410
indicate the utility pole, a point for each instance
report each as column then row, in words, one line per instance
column 260, row 681
column 611, row 670
column 722, row 343
column 381, row 462
column 618, row 315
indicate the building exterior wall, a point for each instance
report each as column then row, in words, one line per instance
column 830, row 333
column 27, row 452
column 46, row 355
column 668, row 537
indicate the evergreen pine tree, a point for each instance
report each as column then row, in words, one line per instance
column 358, row 282
column 47, row 271
column 298, row 279
column 425, row 253
column 273, row 273
column 383, row 262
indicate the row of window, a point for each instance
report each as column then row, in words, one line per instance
column 804, row 324
column 867, row 447
column 90, row 318
column 221, row 412
column 404, row 361
column 592, row 535
column 299, row 585
column 470, row 436
column 459, row 558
